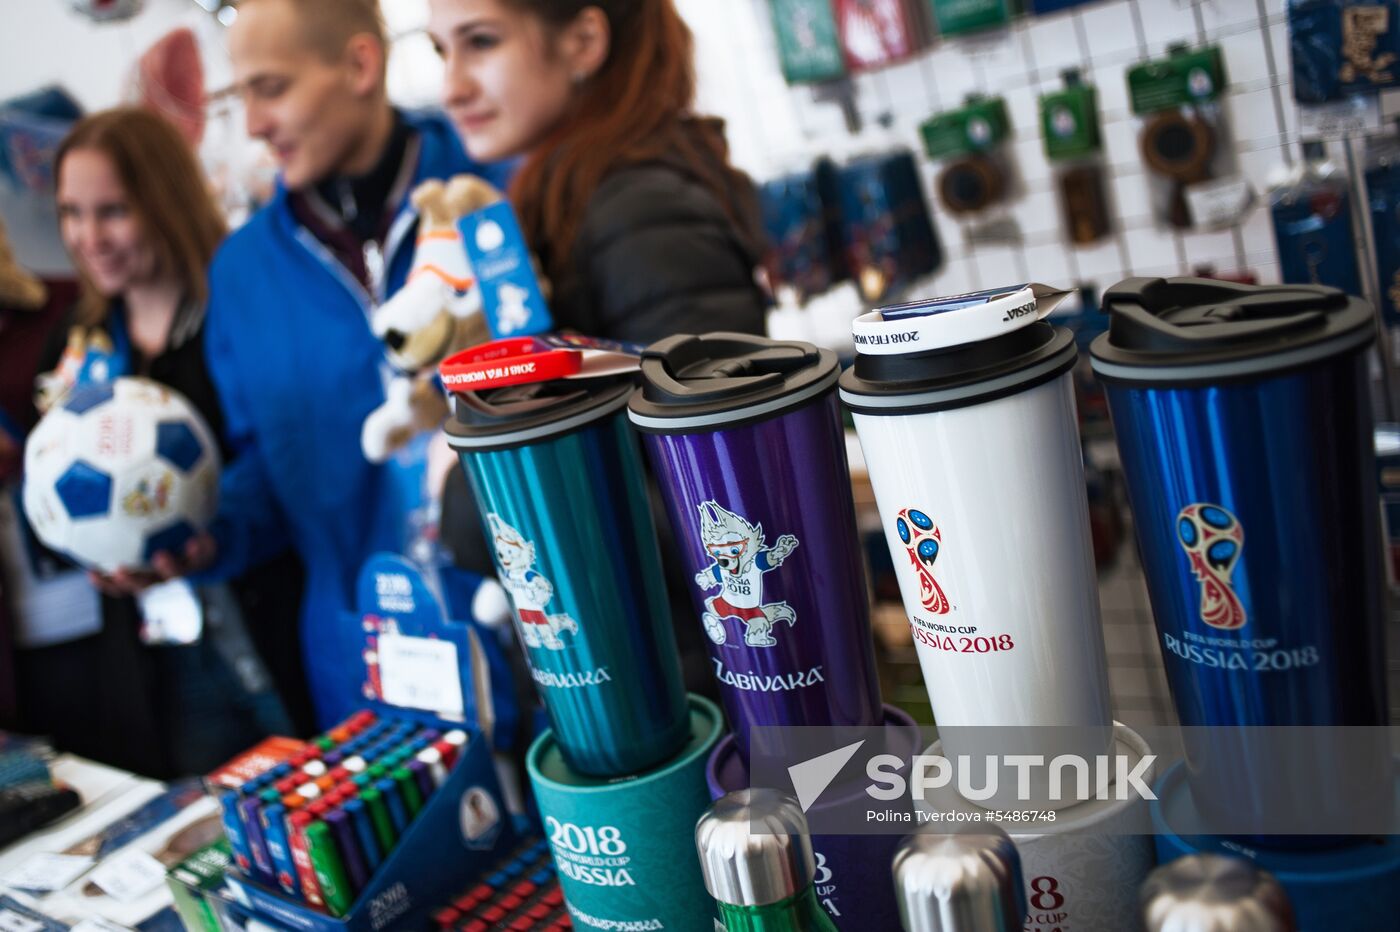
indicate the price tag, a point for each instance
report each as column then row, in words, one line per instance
column 421, row 673
column 171, row 613
column 1221, row 203
column 510, row 292
column 1340, row 119
column 44, row 873
column 128, row 876
column 11, row 921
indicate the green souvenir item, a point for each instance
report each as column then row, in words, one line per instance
column 976, row 127
column 955, row 17
column 1184, row 77
column 808, row 47
column 1069, row 120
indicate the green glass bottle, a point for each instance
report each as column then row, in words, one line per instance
column 801, row 913
column 762, row 880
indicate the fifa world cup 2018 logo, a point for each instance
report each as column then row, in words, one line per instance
column 1213, row 539
column 922, row 541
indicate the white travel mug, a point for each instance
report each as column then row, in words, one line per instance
column 966, row 414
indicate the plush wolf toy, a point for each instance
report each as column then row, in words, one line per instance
column 435, row 314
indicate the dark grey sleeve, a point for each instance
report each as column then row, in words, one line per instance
column 660, row 256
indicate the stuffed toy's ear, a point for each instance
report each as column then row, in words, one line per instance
column 468, row 193
column 430, row 200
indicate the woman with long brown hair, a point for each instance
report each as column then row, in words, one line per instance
column 141, row 227
column 641, row 224
column 626, row 195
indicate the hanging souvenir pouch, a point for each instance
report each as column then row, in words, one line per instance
column 794, row 218
column 1343, row 47
column 876, row 33
column 1383, row 183
column 1313, row 229
column 888, row 232
column 808, row 48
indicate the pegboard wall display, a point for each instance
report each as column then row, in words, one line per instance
column 1252, row 134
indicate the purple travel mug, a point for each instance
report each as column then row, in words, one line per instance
column 746, row 442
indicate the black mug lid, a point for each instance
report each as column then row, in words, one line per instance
column 517, row 415
column 956, row 351
column 1196, row 329
column 958, row 376
column 721, row 379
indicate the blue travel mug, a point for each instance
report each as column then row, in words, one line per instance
column 1244, row 426
column 558, row 478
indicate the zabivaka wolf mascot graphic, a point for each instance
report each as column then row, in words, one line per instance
column 529, row 590
column 737, row 547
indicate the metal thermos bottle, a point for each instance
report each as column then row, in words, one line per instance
column 1211, row 893
column 966, row 878
column 756, row 857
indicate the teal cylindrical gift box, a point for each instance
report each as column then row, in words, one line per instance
column 625, row 848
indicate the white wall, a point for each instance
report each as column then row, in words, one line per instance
column 775, row 128
column 44, row 42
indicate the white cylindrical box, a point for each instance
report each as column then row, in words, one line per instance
column 1082, row 871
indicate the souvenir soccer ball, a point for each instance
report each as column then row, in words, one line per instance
column 120, row 471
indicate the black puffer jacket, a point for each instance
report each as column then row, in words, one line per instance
column 657, row 254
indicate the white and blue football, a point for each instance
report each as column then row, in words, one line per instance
column 119, row 471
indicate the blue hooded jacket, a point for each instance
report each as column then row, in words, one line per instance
column 290, row 350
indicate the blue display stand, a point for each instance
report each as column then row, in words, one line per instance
column 432, row 862
column 464, row 827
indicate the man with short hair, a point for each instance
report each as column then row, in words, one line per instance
column 288, row 338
